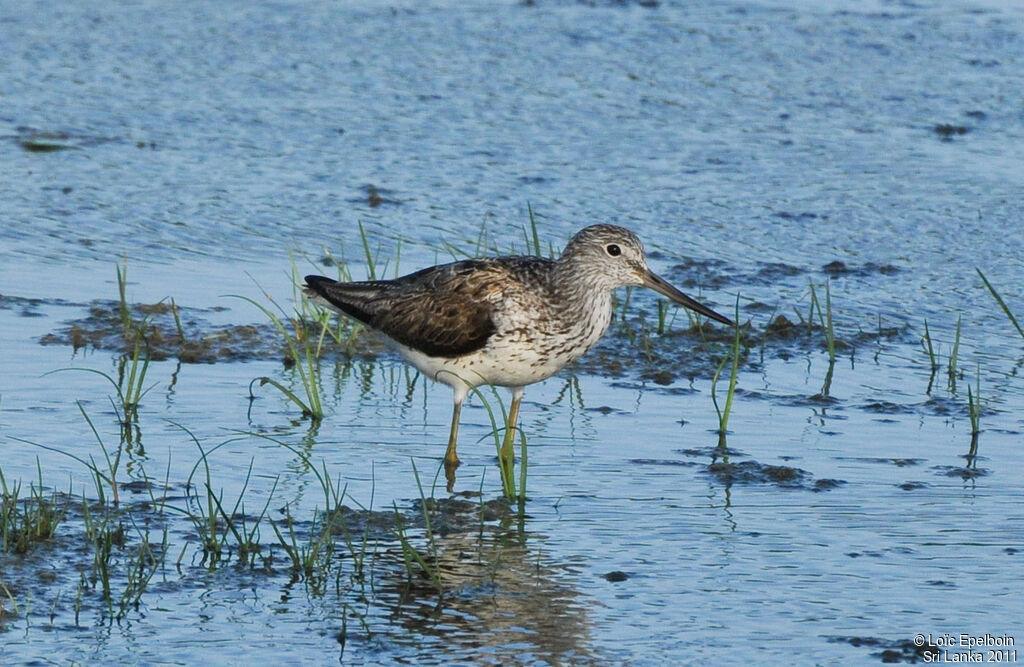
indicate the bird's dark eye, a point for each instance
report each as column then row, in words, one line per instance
column 613, row 249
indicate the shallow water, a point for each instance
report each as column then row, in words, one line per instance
column 751, row 145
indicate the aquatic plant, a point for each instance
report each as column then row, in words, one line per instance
column 951, row 369
column 974, row 406
column 310, row 558
column 123, row 311
column 926, row 343
column 103, row 532
column 129, row 387
column 734, row 356
column 212, row 522
column 663, row 306
column 26, row 522
column 304, row 347
column 131, row 372
column 127, row 546
column 412, row 555
column 146, row 562
column 1002, row 304
column 825, row 318
column 504, row 444
column 101, row 479
column 534, row 236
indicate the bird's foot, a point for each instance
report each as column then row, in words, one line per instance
column 450, row 465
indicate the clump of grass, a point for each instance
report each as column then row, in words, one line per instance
column 825, row 318
column 532, row 239
column 311, row 558
column 104, row 532
column 26, row 522
column 131, row 378
column 411, row 555
column 304, row 346
column 145, row 562
column 247, row 538
column 734, row 355
column 131, row 375
column 825, row 321
column 100, row 478
column 129, row 386
column 951, row 370
column 359, row 554
column 1002, row 304
column 213, row 523
column 663, row 323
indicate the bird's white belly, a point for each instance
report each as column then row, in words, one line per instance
column 516, row 357
column 501, row 365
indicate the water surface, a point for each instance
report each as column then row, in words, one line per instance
column 756, row 147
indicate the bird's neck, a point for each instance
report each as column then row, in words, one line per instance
column 583, row 294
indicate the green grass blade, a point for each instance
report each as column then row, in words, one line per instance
column 1002, row 304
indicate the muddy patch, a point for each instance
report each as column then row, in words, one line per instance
column 164, row 331
column 750, row 472
column 649, row 345
column 887, row 408
column 963, row 472
column 168, row 331
column 837, row 269
column 754, row 473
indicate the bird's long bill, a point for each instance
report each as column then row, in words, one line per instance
column 661, row 286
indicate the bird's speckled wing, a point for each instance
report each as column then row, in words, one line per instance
column 442, row 311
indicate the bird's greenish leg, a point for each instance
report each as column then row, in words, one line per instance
column 451, row 459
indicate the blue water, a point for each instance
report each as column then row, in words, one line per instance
column 748, row 143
